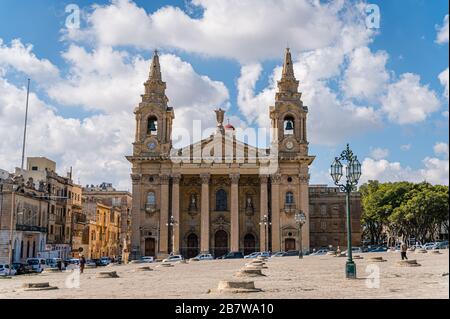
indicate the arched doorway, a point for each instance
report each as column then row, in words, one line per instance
column 249, row 244
column 220, row 243
column 289, row 244
column 192, row 246
column 150, row 247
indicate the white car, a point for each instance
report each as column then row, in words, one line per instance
column 172, row 259
column 429, row 246
column 252, row 255
column 355, row 250
column 204, row 257
column 5, row 271
column 37, row 264
column 147, row 259
column 319, row 252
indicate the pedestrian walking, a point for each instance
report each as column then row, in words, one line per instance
column 403, row 250
column 82, row 263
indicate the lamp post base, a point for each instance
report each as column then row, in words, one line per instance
column 350, row 269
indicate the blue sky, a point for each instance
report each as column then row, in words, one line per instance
column 399, row 130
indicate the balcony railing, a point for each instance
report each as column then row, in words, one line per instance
column 31, row 228
column 290, row 208
column 150, row 208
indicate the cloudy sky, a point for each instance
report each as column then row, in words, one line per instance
column 384, row 90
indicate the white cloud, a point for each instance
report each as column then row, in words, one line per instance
column 366, row 75
column 435, row 171
column 405, row 147
column 442, row 35
column 111, row 81
column 94, row 147
column 20, row 57
column 244, row 30
column 441, row 148
column 379, row 153
column 443, row 78
column 407, row 101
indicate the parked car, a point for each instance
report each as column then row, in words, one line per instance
column 105, row 261
column 278, row 254
column 429, row 246
column 147, row 259
column 172, row 259
column 320, row 252
column 355, row 250
column 253, row 255
column 21, row 269
column 290, row 253
column 204, row 257
column 53, row 263
column 37, row 264
column 441, row 245
column 6, row 271
column 233, row 255
column 378, row 249
column 91, row 263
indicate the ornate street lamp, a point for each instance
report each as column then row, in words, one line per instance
column 352, row 174
column 300, row 219
column 265, row 221
column 172, row 222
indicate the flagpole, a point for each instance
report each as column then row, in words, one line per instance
column 25, row 126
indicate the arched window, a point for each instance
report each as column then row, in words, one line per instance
column 288, row 125
column 151, row 199
column 289, row 198
column 221, row 200
column 152, row 125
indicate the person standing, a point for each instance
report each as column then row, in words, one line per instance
column 403, row 250
column 82, row 263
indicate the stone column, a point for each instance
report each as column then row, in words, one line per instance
column 176, row 212
column 276, row 239
column 263, row 212
column 304, row 206
column 136, row 216
column 204, row 224
column 164, row 215
column 234, row 212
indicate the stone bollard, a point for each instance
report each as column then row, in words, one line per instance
column 107, row 274
column 144, row 268
column 408, row 263
column 165, row 265
column 376, row 259
column 247, row 272
column 38, row 286
column 261, row 258
column 237, row 287
column 49, row 270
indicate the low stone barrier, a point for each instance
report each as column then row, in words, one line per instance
column 165, row 265
column 437, row 252
column 408, row 263
column 331, row 253
column 357, row 257
column 144, row 268
column 47, row 270
column 107, row 274
column 376, row 259
column 193, row 260
column 247, row 272
column 183, row 261
column 421, row 251
column 37, row 286
column 237, row 287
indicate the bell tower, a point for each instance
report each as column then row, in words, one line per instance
column 288, row 116
column 153, row 117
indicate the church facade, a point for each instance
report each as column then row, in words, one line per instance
column 219, row 194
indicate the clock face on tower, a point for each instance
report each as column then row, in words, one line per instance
column 152, row 145
column 289, row 145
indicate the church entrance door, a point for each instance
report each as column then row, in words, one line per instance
column 220, row 243
column 289, row 244
column 249, row 244
column 150, row 247
column 192, row 246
